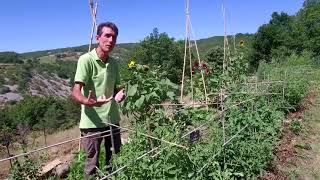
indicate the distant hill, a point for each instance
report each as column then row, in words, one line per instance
column 122, row 50
column 205, row 44
column 10, row 57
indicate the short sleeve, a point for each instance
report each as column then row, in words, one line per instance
column 83, row 70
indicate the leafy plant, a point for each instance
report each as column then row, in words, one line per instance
column 28, row 169
column 296, row 127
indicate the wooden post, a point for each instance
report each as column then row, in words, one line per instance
column 79, row 143
column 94, row 22
column 112, row 139
column 185, row 50
column 283, row 85
column 9, row 155
column 45, row 136
column 150, row 134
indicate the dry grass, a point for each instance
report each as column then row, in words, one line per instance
column 35, row 143
column 54, row 152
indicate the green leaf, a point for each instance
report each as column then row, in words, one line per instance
column 153, row 94
column 170, row 94
column 139, row 102
column 132, row 90
column 190, row 174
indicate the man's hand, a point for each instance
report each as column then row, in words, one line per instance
column 103, row 99
column 92, row 100
column 120, row 96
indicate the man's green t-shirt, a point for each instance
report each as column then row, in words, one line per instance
column 101, row 78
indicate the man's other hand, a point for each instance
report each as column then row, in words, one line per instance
column 120, row 96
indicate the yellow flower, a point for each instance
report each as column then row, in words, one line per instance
column 242, row 43
column 132, row 64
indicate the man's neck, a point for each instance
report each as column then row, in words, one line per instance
column 104, row 56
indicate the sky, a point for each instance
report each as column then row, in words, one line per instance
column 33, row 25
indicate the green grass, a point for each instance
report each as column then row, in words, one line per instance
column 47, row 59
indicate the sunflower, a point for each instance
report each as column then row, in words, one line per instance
column 131, row 64
column 241, row 43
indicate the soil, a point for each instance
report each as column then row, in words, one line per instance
column 286, row 154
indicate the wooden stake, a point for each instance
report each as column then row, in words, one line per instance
column 94, row 23
column 185, row 50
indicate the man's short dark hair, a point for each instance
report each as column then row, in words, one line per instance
column 109, row 25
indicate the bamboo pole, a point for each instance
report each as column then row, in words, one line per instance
column 199, row 61
column 185, row 50
column 202, row 104
column 150, row 134
column 190, row 64
column 94, row 23
column 9, row 155
column 50, row 146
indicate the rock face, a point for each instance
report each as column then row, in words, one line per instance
column 11, row 96
column 62, row 170
column 39, row 85
column 49, row 86
column 59, row 167
column 48, row 168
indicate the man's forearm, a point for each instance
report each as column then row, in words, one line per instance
column 78, row 97
column 77, row 94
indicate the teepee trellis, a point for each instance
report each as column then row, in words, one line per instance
column 188, row 34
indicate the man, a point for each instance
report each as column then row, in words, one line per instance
column 95, row 88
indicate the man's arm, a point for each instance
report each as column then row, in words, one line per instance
column 80, row 98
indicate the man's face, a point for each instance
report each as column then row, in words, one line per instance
column 107, row 39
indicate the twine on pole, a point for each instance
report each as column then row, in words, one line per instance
column 50, row 146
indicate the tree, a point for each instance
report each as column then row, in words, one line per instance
column 6, row 139
column 307, row 22
column 159, row 49
column 215, row 58
column 23, row 131
column 10, row 57
column 271, row 36
column 53, row 118
column 308, row 3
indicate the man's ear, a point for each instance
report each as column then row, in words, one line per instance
column 97, row 37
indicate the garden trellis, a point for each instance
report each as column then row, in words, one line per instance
column 254, row 87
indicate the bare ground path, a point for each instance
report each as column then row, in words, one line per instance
column 307, row 145
column 297, row 156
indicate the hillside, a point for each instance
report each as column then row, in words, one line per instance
column 122, row 50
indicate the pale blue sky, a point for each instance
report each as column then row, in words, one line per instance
column 31, row 25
